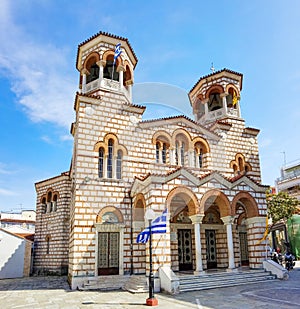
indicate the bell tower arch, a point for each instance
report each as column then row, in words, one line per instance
column 216, row 96
column 101, row 67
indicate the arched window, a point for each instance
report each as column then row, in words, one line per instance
column 239, row 165
column 110, row 158
column 164, row 153
column 101, row 162
column 110, row 69
column 119, row 164
column 182, row 152
column 54, row 202
column 177, row 150
column 214, row 102
column 44, row 205
column 198, row 157
column 94, row 73
column 49, row 201
column 157, row 152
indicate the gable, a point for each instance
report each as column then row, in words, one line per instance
column 181, row 122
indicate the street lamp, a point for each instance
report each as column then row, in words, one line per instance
column 151, row 301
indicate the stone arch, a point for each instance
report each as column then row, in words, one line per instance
column 161, row 136
column 239, row 164
column 187, row 196
column 214, row 88
column 139, row 207
column 183, row 134
column 91, row 59
column 248, row 202
column 128, row 74
column 109, row 55
column 230, row 87
column 217, row 197
column 109, row 209
column 104, row 144
column 203, row 142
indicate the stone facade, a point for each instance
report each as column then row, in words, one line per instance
column 51, row 241
column 205, row 171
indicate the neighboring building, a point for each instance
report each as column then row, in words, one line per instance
column 22, row 224
column 281, row 234
column 290, row 179
column 15, row 255
column 206, row 171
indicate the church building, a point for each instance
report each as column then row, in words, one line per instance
column 205, row 171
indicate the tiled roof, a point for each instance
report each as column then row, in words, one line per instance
column 110, row 35
column 214, row 73
column 87, row 96
column 135, row 105
column 171, row 117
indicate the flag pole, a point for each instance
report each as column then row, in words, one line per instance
column 112, row 74
column 116, row 55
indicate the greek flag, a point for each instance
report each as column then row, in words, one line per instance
column 159, row 225
column 117, row 52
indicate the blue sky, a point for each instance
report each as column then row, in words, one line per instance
column 175, row 42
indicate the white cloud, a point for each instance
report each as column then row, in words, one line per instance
column 6, row 192
column 37, row 72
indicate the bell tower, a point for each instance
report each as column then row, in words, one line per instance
column 216, row 96
column 101, row 68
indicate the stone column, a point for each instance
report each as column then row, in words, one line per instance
column 84, row 73
column 179, row 152
column 172, row 156
column 196, row 220
column 101, row 64
column 121, row 70
column 105, row 166
column 191, row 160
column 129, row 89
column 114, row 167
column 228, row 222
column 206, row 108
column 224, row 101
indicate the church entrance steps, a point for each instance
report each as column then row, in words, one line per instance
column 137, row 284
column 104, row 283
column 222, row 279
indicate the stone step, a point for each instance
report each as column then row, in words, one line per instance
column 137, row 284
column 105, row 283
column 223, row 275
column 219, row 280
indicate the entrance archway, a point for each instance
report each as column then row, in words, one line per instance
column 182, row 203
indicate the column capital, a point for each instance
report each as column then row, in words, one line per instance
column 223, row 95
column 227, row 220
column 120, row 68
column 85, row 71
column 101, row 63
column 197, row 218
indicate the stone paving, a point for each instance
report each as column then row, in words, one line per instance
column 54, row 292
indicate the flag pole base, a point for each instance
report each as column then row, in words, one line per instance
column 151, row 302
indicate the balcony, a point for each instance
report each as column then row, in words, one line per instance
column 108, row 84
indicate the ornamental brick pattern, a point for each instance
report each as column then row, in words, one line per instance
column 206, row 169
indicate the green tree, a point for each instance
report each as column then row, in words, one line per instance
column 281, row 206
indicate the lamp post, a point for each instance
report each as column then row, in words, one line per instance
column 151, row 300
